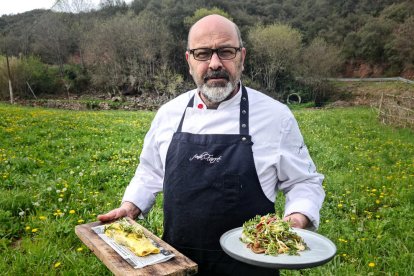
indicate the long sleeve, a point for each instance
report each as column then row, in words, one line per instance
column 297, row 175
column 148, row 178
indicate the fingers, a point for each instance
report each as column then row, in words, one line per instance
column 112, row 215
column 126, row 209
column 297, row 220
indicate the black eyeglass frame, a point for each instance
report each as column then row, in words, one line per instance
column 216, row 50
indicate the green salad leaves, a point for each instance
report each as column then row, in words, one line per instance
column 272, row 236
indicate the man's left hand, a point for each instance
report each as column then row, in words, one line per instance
column 297, row 220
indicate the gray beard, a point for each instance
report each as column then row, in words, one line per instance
column 216, row 94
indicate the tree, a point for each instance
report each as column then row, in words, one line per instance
column 275, row 50
column 139, row 5
column 373, row 37
column 111, row 7
column 320, row 60
column 398, row 12
column 401, row 48
column 200, row 13
column 53, row 39
column 111, row 4
column 127, row 51
column 76, row 8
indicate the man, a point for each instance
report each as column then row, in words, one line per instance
column 220, row 153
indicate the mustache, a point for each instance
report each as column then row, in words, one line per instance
column 216, row 74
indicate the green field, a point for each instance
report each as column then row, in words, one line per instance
column 61, row 168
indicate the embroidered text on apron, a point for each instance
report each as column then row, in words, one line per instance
column 211, row 186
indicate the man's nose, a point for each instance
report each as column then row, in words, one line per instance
column 215, row 62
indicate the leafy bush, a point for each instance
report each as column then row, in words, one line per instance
column 167, row 82
column 43, row 79
column 76, row 78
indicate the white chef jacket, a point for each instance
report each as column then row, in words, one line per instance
column 281, row 158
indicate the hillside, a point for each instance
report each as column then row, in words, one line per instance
column 137, row 49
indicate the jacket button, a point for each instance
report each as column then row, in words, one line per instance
column 244, row 139
column 243, row 125
column 244, row 111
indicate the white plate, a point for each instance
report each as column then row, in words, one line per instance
column 321, row 250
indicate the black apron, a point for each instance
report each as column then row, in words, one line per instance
column 211, row 186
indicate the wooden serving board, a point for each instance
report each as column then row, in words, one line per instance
column 177, row 266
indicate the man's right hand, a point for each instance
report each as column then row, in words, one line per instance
column 127, row 209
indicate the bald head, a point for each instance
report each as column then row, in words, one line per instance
column 215, row 57
column 213, row 26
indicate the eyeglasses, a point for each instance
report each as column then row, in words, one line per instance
column 224, row 53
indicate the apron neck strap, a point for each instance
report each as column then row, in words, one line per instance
column 190, row 104
column 244, row 113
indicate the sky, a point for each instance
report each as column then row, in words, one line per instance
column 19, row 6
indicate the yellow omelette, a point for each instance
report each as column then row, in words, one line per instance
column 131, row 236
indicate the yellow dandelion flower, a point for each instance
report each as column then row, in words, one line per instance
column 72, row 211
column 34, row 230
column 371, row 264
column 42, row 217
column 79, row 249
column 340, row 205
column 80, row 221
column 57, row 264
column 377, row 201
column 342, row 240
column 27, row 228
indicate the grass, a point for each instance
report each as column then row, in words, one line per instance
column 373, row 86
column 61, row 168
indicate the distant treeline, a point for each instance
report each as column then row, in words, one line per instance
column 139, row 47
